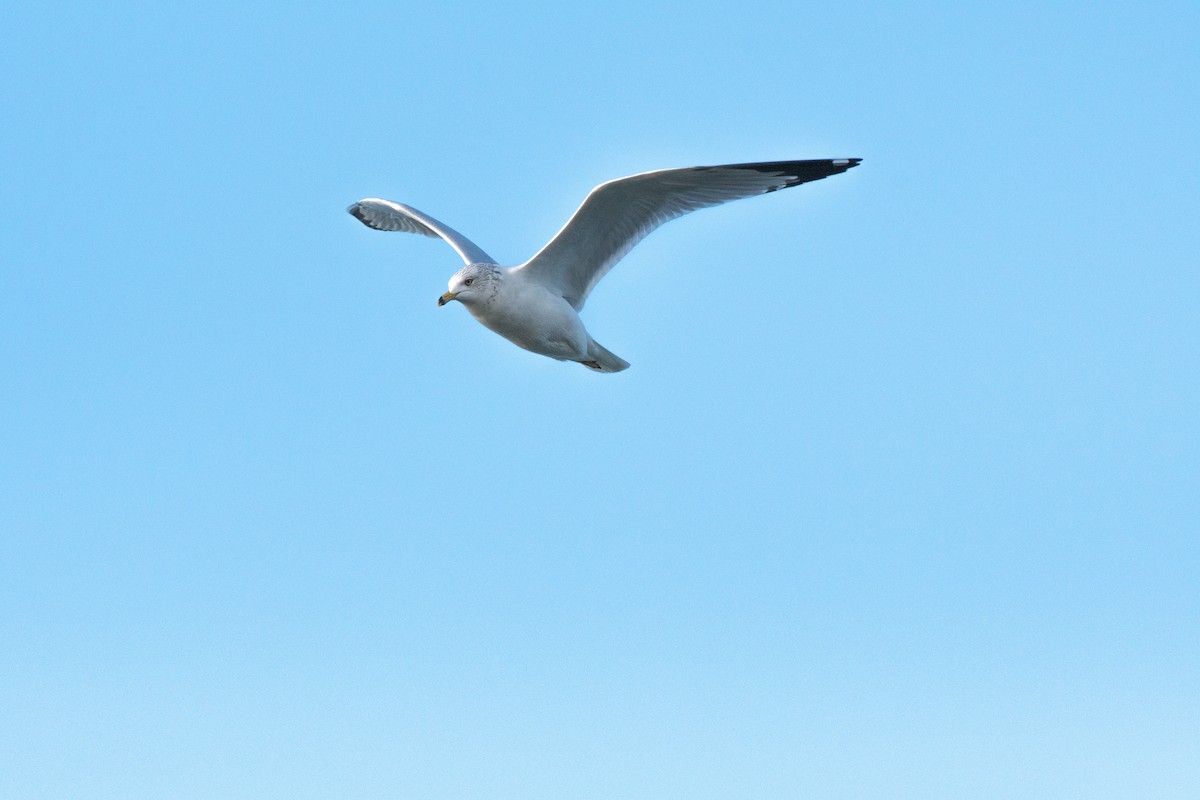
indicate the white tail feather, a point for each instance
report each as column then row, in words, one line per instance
column 605, row 361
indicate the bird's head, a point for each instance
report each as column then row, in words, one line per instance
column 474, row 283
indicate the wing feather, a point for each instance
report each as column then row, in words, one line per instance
column 385, row 215
column 618, row 214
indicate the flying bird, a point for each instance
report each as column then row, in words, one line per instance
column 536, row 305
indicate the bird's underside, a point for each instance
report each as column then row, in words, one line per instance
column 536, row 304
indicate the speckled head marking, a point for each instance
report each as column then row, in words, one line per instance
column 474, row 283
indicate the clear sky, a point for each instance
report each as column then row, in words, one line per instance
column 899, row 498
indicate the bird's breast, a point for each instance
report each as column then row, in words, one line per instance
column 534, row 318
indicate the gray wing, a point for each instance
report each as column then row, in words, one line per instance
column 619, row 214
column 384, row 215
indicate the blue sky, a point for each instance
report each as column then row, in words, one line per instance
column 899, row 497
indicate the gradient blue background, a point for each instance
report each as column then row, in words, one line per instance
column 899, row 499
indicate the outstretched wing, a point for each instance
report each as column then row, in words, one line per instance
column 619, row 214
column 384, row 215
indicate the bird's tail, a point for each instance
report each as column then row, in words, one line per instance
column 601, row 360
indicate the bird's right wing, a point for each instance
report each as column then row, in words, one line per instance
column 619, row 214
column 384, row 215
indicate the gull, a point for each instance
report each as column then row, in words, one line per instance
column 536, row 305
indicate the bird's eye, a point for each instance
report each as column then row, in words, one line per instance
column 469, row 281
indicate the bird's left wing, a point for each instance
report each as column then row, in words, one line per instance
column 384, row 215
column 619, row 214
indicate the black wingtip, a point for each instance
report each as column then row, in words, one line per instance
column 356, row 211
column 794, row 173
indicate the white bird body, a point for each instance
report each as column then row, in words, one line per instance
column 531, row 316
column 536, row 305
